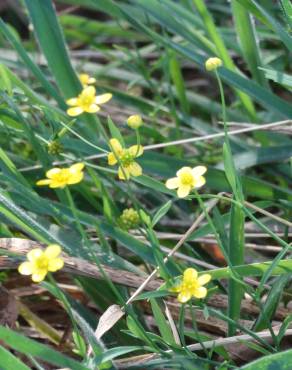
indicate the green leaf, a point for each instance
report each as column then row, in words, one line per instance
column 271, row 303
column 161, row 212
column 279, row 77
column 278, row 361
column 162, row 324
column 28, row 346
column 51, row 41
column 29, row 63
column 253, row 269
column 8, row 361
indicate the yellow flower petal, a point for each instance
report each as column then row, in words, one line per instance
column 200, row 292
column 89, row 91
column 183, row 191
column 184, row 170
column 57, row 184
column 116, row 146
column 55, row 264
column 123, row 173
column 204, row 279
column 39, row 275
column 75, row 178
column 199, row 171
column 136, row 150
column 135, row 169
column 76, row 167
column 53, row 172
column 104, row 98
column 52, row 251
column 172, row 183
column 93, row 108
column 184, row 296
column 85, row 79
column 34, row 254
column 111, row 159
column 43, row 182
column 25, row 268
column 190, row 274
column 200, row 182
column 72, row 101
column 73, row 112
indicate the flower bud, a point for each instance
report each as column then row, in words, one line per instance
column 135, row 121
column 213, row 63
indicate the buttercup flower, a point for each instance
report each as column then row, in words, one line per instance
column 135, row 121
column 60, row 177
column 126, row 157
column 191, row 286
column 40, row 262
column 85, row 79
column 213, row 63
column 87, row 102
column 187, row 179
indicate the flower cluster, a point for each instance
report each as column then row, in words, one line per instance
column 129, row 219
column 126, row 159
column 191, row 285
column 40, row 262
column 60, row 177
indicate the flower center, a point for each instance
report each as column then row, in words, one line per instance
column 187, row 179
column 86, row 100
column 126, row 158
column 62, row 177
column 42, row 263
column 190, row 286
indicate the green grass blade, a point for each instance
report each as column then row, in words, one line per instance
column 271, row 303
column 247, row 39
column 51, row 41
column 236, row 256
column 264, row 97
column 35, row 70
column 222, row 51
column 30, row 347
column 277, row 361
column 8, row 361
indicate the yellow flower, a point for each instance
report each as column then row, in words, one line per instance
column 87, row 102
column 85, row 79
column 40, row 262
column 213, row 63
column 191, row 286
column 135, row 121
column 187, row 179
column 126, row 157
column 60, row 177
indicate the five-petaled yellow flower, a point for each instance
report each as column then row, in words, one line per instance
column 86, row 102
column 213, row 63
column 60, row 177
column 40, row 262
column 126, row 157
column 191, row 286
column 85, row 79
column 187, row 179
